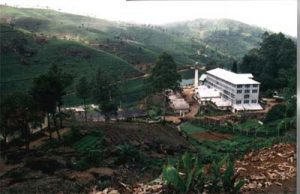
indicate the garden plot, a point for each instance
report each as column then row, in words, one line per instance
column 211, row 136
column 202, row 133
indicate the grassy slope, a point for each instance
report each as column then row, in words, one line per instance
column 71, row 56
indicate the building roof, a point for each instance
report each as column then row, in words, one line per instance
column 247, row 107
column 219, row 102
column 231, row 77
column 180, row 104
column 186, row 82
column 202, row 77
column 252, row 106
column 205, row 92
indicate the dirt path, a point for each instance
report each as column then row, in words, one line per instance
column 42, row 140
column 6, row 167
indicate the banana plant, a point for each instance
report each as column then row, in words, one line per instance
column 229, row 179
column 188, row 176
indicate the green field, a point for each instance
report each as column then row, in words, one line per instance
column 85, row 143
column 190, row 128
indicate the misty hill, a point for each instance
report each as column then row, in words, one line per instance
column 137, row 44
column 228, row 36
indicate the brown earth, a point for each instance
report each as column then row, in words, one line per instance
column 142, row 133
column 269, row 170
column 213, row 136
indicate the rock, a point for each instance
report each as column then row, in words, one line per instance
column 114, row 192
column 103, row 171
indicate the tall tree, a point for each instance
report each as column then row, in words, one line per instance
column 212, row 64
column 273, row 63
column 48, row 91
column 83, row 92
column 234, row 67
column 104, row 93
column 60, row 80
column 164, row 76
column 19, row 112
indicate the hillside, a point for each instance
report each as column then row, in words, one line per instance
column 24, row 56
column 33, row 39
column 139, row 44
column 227, row 36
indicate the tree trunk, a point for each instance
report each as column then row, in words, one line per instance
column 49, row 126
column 106, row 117
column 60, row 118
column 164, row 113
column 4, row 142
column 85, row 109
column 55, row 126
column 27, row 134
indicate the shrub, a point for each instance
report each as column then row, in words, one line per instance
column 276, row 112
column 128, row 153
column 229, row 179
column 188, row 176
column 82, row 164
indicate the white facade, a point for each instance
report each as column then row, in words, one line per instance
column 196, row 77
column 239, row 89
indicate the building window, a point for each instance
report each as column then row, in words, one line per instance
column 254, row 91
column 247, row 91
column 239, row 86
column 239, row 91
column 255, row 85
column 246, row 96
column 253, row 101
column 246, row 101
column 247, row 86
column 238, row 102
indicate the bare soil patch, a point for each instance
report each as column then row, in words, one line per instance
column 269, row 170
column 213, row 136
column 142, row 134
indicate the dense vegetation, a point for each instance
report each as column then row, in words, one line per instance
column 273, row 63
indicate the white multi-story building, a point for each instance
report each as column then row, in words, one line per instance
column 237, row 91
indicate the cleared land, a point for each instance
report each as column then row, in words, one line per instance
column 211, row 136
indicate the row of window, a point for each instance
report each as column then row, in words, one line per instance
column 220, row 84
column 246, row 91
column 247, row 86
column 246, row 101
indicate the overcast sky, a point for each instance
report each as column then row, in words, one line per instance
column 275, row 15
